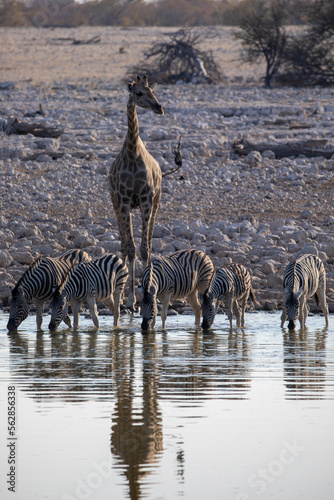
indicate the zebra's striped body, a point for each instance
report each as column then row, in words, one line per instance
column 101, row 280
column 304, row 277
column 179, row 275
column 37, row 285
column 230, row 283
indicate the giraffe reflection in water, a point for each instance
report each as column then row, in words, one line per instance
column 137, row 432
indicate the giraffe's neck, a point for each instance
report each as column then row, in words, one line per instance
column 132, row 138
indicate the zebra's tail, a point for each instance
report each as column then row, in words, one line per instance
column 316, row 298
column 252, row 296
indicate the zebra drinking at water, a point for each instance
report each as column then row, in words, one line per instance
column 304, row 277
column 37, row 284
column 101, row 280
column 182, row 274
column 230, row 283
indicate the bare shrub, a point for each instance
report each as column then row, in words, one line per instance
column 180, row 58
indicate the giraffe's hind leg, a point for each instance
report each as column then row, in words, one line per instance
column 122, row 231
column 149, row 210
column 131, row 253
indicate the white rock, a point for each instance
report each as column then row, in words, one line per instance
column 254, row 159
column 5, row 258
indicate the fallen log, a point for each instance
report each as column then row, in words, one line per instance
column 14, row 126
column 94, row 39
column 244, row 147
column 55, row 155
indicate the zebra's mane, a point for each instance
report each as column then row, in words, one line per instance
column 59, row 289
column 294, row 277
column 26, row 275
column 211, row 281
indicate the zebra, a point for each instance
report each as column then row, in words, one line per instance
column 36, row 285
column 304, row 277
column 230, row 283
column 101, row 280
column 181, row 274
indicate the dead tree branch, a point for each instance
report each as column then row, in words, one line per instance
column 14, row 126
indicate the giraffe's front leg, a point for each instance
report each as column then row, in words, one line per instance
column 131, row 252
column 145, row 250
column 148, row 212
column 122, row 230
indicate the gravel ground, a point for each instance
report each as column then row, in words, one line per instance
column 258, row 210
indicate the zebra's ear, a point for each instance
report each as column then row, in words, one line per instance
column 286, row 290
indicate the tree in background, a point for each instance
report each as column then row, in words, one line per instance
column 11, row 13
column 262, row 34
column 309, row 58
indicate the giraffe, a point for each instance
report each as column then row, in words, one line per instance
column 135, row 182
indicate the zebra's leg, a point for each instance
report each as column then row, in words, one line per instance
column 243, row 308
column 323, row 303
column 302, row 311
column 67, row 321
column 229, row 305
column 76, row 312
column 39, row 313
column 196, row 306
column 91, row 302
column 165, row 304
column 110, row 303
column 236, row 310
column 114, row 304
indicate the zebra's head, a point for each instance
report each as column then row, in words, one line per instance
column 292, row 307
column 59, row 307
column 18, row 309
column 209, row 309
column 149, row 308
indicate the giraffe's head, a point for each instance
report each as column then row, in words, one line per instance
column 141, row 94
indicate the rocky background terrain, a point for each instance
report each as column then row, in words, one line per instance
column 257, row 210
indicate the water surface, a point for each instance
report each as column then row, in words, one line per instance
column 237, row 415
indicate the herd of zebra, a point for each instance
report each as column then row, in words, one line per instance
column 73, row 278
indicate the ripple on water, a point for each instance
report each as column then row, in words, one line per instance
column 155, row 406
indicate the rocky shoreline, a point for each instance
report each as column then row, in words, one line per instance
column 257, row 210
